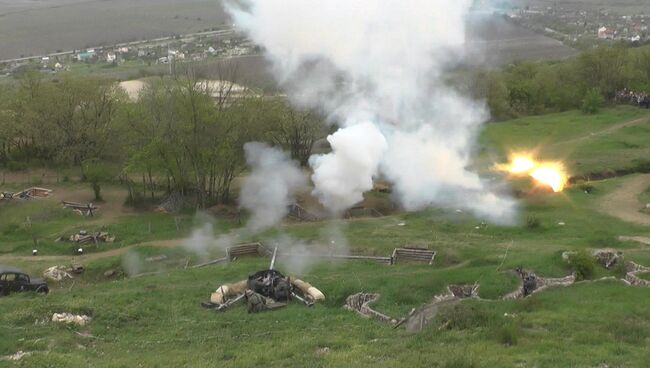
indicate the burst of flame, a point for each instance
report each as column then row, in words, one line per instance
column 550, row 174
column 521, row 165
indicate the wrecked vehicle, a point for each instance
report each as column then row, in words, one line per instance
column 264, row 290
column 14, row 280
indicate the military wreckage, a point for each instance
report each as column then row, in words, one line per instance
column 264, row 290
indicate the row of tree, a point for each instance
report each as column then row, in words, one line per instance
column 529, row 88
column 181, row 134
column 185, row 135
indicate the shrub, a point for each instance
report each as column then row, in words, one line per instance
column 583, row 264
column 533, row 223
column 460, row 360
column 508, row 334
column 592, row 102
column 461, row 316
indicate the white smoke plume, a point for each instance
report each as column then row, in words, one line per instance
column 269, row 189
column 341, row 177
column 378, row 68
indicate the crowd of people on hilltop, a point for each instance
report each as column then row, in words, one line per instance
column 641, row 99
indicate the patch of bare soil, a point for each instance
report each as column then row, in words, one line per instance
column 624, row 203
column 639, row 239
column 111, row 208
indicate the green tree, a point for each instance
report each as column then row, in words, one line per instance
column 96, row 172
column 592, row 102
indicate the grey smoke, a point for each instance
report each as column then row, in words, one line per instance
column 271, row 186
column 378, row 68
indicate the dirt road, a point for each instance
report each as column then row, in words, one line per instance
column 92, row 256
column 609, row 130
column 624, row 203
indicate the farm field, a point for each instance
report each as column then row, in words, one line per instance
column 618, row 6
column 156, row 320
column 40, row 27
column 36, row 28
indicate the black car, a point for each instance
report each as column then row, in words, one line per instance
column 14, row 280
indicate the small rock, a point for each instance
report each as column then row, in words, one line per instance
column 15, row 357
column 647, row 205
column 56, row 273
column 567, row 254
column 159, row 258
column 561, row 223
column 77, row 269
column 110, row 273
column 80, row 320
column 322, row 351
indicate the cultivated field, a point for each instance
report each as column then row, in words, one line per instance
column 617, row 6
column 36, row 28
column 495, row 42
column 40, row 27
column 156, row 321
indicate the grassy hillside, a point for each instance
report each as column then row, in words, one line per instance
column 156, row 321
column 614, row 139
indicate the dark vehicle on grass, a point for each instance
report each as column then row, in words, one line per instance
column 13, row 280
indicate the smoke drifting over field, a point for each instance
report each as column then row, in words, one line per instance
column 270, row 188
column 377, row 68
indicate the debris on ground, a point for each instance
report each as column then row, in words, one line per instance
column 83, row 209
column 15, row 357
column 57, row 273
column 607, row 258
column 360, row 303
column 26, row 194
column 322, row 351
column 77, row 269
column 566, row 256
column 111, row 273
column 159, row 258
column 77, row 319
column 60, row 273
column 83, row 237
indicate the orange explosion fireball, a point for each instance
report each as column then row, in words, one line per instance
column 549, row 174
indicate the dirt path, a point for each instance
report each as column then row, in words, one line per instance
column 93, row 256
column 624, row 203
column 608, row 130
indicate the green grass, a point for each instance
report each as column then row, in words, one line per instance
column 644, row 198
column 156, row 321
column 568, row 137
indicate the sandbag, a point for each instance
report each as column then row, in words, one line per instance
column 308, row 289
column 227, row 291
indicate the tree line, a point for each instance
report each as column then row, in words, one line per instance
column 585, row 82
column 183, row 134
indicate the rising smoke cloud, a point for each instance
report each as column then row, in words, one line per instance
column 378, row 69
column 269, row 189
